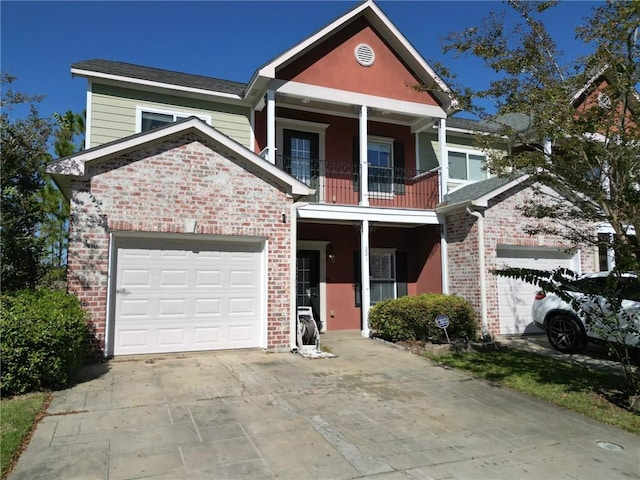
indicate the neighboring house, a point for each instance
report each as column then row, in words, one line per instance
column 485, row 231
column 204, row 211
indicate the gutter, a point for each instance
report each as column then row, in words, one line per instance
column 482, row 264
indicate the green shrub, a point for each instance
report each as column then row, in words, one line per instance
column 413, row 318
column 44, row 334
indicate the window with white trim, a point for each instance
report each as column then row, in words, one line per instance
column 382, row 273
column 149, row 118
column 380, row 165
column 466, row 165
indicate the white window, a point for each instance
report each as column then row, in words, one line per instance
column 382, row 272
column 466, row 165
column 380, row 162
column 149, row 118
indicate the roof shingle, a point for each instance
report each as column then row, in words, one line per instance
column 162, row 76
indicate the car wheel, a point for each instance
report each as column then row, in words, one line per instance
column 565, row 334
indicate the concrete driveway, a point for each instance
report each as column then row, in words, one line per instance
column 371, row 412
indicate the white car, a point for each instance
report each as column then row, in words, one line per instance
column 567, row 330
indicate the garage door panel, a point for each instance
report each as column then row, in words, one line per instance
column 183, row 296
column 134, row 308
column 207, row 306
column 171, row 336
column 208, row 278
column 206, row 336
column 173, row 278
column 172, row 308
column 135, row 278
column 134, row 339
column 240, row 334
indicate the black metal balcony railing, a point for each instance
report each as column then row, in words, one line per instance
column 339, row 183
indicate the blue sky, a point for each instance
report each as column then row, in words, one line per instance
column 227, row 40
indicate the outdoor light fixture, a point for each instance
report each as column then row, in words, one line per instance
column 190, row 225
column 331, row 253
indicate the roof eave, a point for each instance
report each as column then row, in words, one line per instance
column 91, row 74
column 391, row 34
column 74, row 165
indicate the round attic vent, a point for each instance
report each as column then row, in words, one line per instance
column 365, row 55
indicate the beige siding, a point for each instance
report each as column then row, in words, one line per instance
column 113, row 113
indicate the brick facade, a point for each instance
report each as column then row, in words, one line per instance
column 153, row 190
column 503, row 225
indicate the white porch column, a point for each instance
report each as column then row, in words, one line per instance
column 365, row 300
column 444, row 159
column 271, row 126
column 364, row 167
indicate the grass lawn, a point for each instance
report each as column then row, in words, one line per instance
column 17, row 418
column 591, row 393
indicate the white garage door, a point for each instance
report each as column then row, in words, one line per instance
column 515, row 297
column 187, row 295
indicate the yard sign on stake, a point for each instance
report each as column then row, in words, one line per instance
column 443, row 322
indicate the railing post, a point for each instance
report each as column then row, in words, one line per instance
column 364, row 167
column 271, row 126
column 444, row 159
column 364, row 275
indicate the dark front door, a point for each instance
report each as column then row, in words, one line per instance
column 308, row 281
column 301, row 155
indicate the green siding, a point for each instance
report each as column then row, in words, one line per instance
column 113, row 113
column 429, row 151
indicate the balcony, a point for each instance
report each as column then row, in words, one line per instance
column 339, row 183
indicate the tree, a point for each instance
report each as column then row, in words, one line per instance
column 33, row 232
column 23, row 155
column 582, row 142
column 54, row 228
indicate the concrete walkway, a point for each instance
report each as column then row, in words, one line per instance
column 372, row 412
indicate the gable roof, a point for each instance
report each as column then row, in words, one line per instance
column 389, row 33
column 64, row 169
column 478, row 194
column 147, row 76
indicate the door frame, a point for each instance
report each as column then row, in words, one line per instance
column 321, row 247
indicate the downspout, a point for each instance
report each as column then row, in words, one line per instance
column 293, row 314
column 483, row 268
column 110, row 292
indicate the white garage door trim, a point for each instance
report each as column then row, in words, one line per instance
column 215, row 253
column 515, row 312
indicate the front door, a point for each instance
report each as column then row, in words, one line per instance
column 308, row 281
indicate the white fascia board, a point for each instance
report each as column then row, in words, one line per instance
column 606, row 227
column 119, row 79
column 481, row 202
column 589, row 83
column 344, row 97
column 414, row 54
column 269, row 70
column 75, row 165
column 382, row 22
column 320, row 211
column 484, row 200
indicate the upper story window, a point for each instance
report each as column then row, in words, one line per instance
column 466, row 166
column 380, row 161
column 149, row 118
